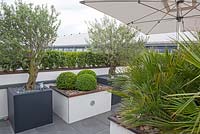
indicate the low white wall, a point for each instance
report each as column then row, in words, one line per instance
column 117, row 129
column 9, row 79
column 42, row 76
column 3, row 104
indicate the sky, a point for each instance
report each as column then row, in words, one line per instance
column 73, row 15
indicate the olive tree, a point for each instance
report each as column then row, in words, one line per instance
column 33, row 29
column 119, row 43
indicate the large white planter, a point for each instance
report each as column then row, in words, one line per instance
column 72, row 109
column 3, row 103
column 118, row 129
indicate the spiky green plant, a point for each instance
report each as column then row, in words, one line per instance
column 159, row 92
column 185, row 107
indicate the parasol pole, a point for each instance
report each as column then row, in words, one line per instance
column 179, row 19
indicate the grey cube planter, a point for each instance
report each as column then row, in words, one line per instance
column 29, row 109
column 105, row 80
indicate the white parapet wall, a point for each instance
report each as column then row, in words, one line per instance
column 3, row 104
column 10, row 79
column 117, row 129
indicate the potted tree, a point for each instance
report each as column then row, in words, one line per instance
column 118, row 43
column 32, row 28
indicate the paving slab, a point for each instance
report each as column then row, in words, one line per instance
column 95, row 125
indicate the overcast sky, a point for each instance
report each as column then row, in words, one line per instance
column 73, row 15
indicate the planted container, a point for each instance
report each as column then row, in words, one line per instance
column 29, row 109
column 83, row 100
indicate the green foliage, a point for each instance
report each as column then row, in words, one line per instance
column 28, row 28
column 71, row 59
column 52, row 59
column 59, row 59
column 156, row 92
column 116, row 42
column 86, row 82
column 66, row 81
column 81, row 59
column 86, row 71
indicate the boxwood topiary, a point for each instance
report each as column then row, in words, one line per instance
column 86, row 71
column 66, row 80
column 86, row 82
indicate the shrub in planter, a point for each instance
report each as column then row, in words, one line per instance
column 66, row 80
column 86, row 82
column 86, row 71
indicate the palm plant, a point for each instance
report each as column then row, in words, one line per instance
column 142, row 90
column 186, row 107
column 159, row 90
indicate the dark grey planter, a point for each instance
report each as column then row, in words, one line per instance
column 27, row 110
column 105, row 80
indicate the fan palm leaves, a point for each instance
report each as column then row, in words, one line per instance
column 162, row 90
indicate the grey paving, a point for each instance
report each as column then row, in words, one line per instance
column 95, row 125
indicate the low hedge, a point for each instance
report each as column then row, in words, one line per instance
column 59, row 59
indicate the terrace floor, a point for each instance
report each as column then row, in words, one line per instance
column 94, row 125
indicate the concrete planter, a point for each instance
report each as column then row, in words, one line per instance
column 29, row 110
column 76, row 108
column 117, row 128
column 3, row 104
column 105, row 80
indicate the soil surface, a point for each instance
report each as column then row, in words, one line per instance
column 73, row 93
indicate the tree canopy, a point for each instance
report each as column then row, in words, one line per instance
column 28, row 29
column 118, row 42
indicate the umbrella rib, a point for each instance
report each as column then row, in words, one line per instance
column 148, row 15
column 191, row 10
column 156, row 9
column 110, row 1
column 153, row 20
column 159, row 21
column 192, row 16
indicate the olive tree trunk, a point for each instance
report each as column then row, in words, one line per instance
column 112, row 71
column 33, row 73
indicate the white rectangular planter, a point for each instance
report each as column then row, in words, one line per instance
column 3, row 103
column 72, row 109
column 117, row 129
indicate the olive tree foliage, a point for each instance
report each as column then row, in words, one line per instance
column 28, row 29
column 119, row 43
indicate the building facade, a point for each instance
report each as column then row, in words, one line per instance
column 78, row 42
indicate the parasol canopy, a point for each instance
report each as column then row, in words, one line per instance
column 152, row 16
